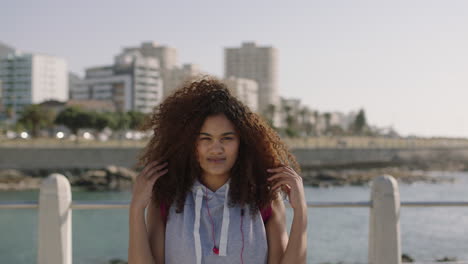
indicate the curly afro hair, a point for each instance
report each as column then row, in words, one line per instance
column 176, row 124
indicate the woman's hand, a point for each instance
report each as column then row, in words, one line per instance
column 291, row 183
column 143, row 186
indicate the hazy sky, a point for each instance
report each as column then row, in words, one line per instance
column 404, row 62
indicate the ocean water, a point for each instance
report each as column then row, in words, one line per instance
column 334, row 234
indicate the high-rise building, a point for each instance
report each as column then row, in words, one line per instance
column 132, row 83
column 73, row 83
column 175, row 77
column 5, row 50
column 2, row 109
column 171, row 74
column 31, row 79
column 245, row 90
column 167, row 56
column 256, row 63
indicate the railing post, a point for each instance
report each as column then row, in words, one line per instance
column 384, row 224
column 54, row 228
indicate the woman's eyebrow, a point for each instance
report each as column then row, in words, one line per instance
column 224, row 134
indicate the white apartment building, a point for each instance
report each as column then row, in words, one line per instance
column 101, row 84
column 5, row 50
column 73, row 83
column 132, row 83
column 245, row 90
column 174, row 78
column 31, row 79
column 347, row 120
column 172, row 75
column 256, row 63
column 167, row 56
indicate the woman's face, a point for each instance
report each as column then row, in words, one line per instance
column 217, row 146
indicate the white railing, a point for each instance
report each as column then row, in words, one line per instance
column 55, row 209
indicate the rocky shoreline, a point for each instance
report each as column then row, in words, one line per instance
column 119, row 178
column 109, row 178
column 359, row 177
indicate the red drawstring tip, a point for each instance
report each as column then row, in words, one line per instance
column 216, row 250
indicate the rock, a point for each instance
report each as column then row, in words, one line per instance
column 122, row 172
column 358, row 177
column 110, row 178
column 117, row 261
column 11, row 176
column 120, row 178
column 17, row 180
column 406, row 258
column 25, row 183
column 447, row 259
column 95, row 177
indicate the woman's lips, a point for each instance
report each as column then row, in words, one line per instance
column 216, row 160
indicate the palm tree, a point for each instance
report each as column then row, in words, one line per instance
column 360, row 123
column 316, row 121
column 327, row 117
column 269, row 113
column 305, row 121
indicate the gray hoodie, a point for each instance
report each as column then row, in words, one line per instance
column 238, row 236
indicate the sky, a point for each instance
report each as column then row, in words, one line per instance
column 404, row 62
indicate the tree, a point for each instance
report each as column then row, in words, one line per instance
column 360, row 122
column 74, row 118
column 270, row 113
column 316, row 123
column 122, row 121
column 306, row 125
column 102, row 120
column 10, row 112
column 86, row 119
column 336, row 130
column 327, row 117
column 35, row 117
column 291, row 120
column 137, row 119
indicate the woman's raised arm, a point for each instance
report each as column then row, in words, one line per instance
column 281, row 249
column 156, row 231
column 139, row 245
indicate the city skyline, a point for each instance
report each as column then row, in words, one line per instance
column 404, row 63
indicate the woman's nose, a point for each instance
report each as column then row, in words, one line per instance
column 217, row 147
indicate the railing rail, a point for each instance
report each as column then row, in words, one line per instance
column 125, row 204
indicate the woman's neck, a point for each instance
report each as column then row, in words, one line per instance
column 214, row 182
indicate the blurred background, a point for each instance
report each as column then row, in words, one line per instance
column 357, row 89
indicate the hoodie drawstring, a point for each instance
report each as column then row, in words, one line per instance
column 196, row 228
column 224, row 227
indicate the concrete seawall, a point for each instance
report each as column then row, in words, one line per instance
column 92, row 158
column 340, row 156
column 65, row 158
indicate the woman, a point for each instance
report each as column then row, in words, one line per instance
column 211, row 181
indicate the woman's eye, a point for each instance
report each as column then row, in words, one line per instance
column 205, row 138
column 227, row 138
